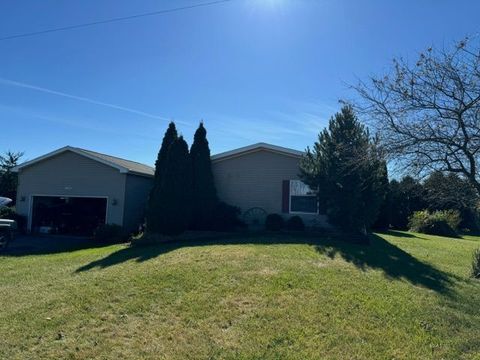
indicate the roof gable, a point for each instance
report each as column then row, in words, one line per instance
column 257, row 147
column 122, row 165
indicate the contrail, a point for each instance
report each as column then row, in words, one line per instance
column 79, row 98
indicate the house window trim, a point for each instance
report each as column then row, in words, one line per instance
column 300, row 212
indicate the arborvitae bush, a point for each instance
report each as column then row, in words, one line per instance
column 155, row 200
column 174, row 207
column 204, row 194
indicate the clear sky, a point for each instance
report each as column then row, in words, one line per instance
column 253, row 70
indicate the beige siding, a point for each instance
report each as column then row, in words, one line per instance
column 255, row 179
column 137, row 191
column 70, row 174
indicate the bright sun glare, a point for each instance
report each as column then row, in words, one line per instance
column 270, row 4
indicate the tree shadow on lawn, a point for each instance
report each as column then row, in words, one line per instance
column 393, row 261
column 48, row 244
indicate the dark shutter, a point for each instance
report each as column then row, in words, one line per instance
column 286, row 196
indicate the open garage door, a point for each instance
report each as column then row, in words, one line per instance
column 78, row 216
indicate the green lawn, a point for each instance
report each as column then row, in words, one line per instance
column 406, row 296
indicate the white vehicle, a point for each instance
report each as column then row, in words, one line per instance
column 7, row 227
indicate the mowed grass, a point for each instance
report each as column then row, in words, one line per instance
column 407, row 296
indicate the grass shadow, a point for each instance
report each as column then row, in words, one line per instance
column 393, row 261
column 44, row 245
column 380, row 254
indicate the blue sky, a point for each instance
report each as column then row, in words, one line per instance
column 253, row 70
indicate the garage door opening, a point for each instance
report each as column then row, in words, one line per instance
column 78, row 216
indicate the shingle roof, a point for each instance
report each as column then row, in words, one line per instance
column 257, row 147
column 128, row 166
column 132, row 166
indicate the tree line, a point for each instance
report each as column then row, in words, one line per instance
column 438, row 192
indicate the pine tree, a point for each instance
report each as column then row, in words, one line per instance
column 346, row 168
column 8, row 178
column 155, row 200
column 174, row 209
column 204, row 193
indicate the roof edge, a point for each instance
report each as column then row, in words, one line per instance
column 256, row 147
column 78, row 151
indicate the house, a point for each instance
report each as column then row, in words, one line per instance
column 73, row 190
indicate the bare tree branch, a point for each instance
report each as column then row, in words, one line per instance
column 428, row 114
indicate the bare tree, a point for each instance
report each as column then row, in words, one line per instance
column 428, row 113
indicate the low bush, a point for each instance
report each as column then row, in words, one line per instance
column 443, row 223
column 452, row 217
column 476, row 264
column 274, row 222
column 226, row 218
column 109, row 233
column 295, row 223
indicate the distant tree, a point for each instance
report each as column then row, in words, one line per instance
column 406, row 196
column 427, row 112
column 384, row 213
column 451, row 192
column 174, row 207
column 204, row 193
column 9, row 179
column 348, row 171
column 153, row 211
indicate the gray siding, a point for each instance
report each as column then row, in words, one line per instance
column 137, row 191
column 70, row 174
column 255, row 180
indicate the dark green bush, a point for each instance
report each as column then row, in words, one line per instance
column 274, row 222
column 476, row 264
column 295, row 223
column 226, row 217
column 441, row 223
column 109, row 233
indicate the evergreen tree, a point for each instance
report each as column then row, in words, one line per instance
column 348, row 171
column 174, row 208
column 204, row 194
column 382, row 221
column 9, row 179
column 155, row 200
column 407, row 196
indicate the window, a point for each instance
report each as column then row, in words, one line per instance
column 302, row 198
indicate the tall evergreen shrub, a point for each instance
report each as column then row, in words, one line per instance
column 153, row 210
column 204, row 193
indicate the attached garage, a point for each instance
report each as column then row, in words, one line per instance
column 68, row 215
column 72, row 191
